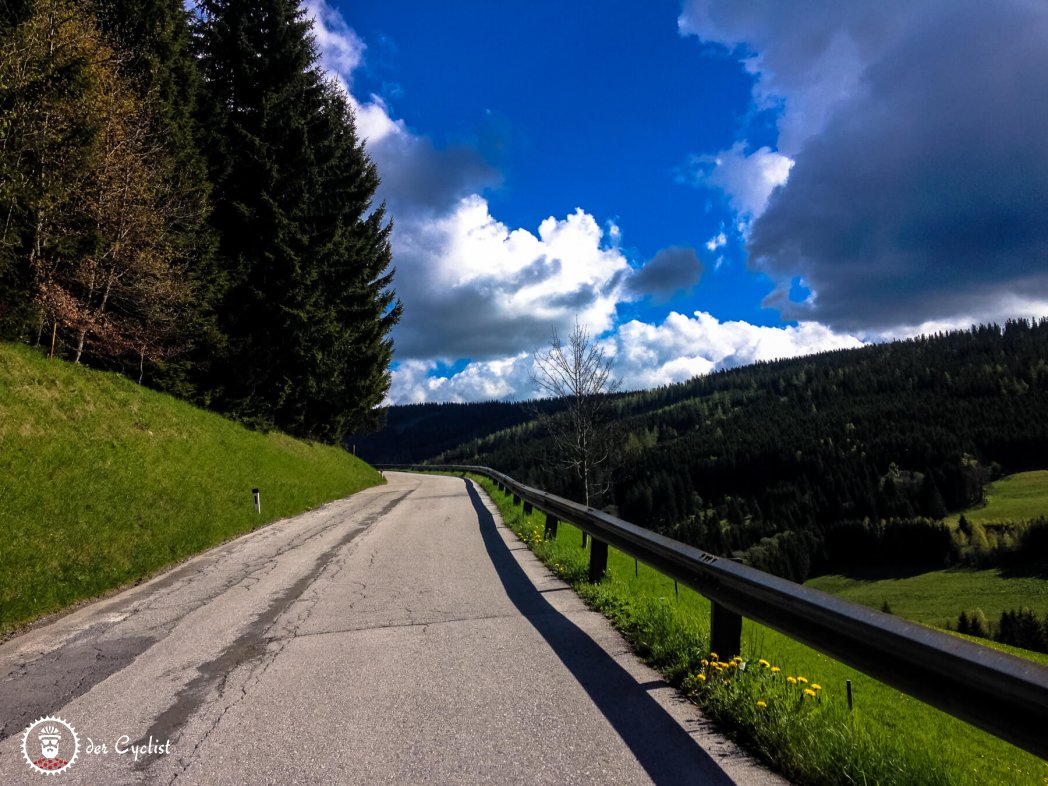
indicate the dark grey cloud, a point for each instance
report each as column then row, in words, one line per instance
column 671, row 270
column 463, row 322
column 917, row 131
column 926, row 194
column 420, row 178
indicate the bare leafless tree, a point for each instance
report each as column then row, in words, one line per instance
column 580, row 373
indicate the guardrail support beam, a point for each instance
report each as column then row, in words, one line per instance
column 516, row 499
column 527, row 508
column 598, row 561
column 725, row 631
column 551, row 528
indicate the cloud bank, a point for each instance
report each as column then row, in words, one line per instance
column 919, row 186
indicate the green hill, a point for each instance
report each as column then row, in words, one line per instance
column 103, row 482
column 800, row 466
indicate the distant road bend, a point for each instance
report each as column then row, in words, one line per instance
column 402, row 635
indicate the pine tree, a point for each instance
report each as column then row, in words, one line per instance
column 308, row 307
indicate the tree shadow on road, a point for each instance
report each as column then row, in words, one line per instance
column 666, row 751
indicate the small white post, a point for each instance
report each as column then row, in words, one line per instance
column 258, row 500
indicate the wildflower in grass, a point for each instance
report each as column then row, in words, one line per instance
column 700, row 677
column 764, row 663
column 775, row 669
column 713, row 656
column 809, row 692
column 704, row 663
column 802, row 681
column 762, row 704
column 791, row 680
column 816, row 686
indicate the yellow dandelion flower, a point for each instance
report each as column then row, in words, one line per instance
column 713, row 656
column 704, row 663
column 733, row 664
column 764, row 663
column 809, row 692
column 802, row 681
column 816, row 686
column 762, row 704
column 791, row 680
column 738, row 658
column 775, row 669
column 701, row 677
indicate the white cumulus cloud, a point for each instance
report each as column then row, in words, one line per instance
column 747, row 178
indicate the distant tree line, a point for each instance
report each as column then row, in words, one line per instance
column 847, row 457
column 184, row 198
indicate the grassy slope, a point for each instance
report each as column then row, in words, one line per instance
column 103, row 482
column 896, row 739
column 937, row 597
column 1018, row 497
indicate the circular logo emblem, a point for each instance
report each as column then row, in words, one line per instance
column 50, row 745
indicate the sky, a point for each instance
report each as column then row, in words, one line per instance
column 701, row 185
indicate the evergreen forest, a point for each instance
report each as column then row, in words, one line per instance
column 184, row 198
column 845, row 458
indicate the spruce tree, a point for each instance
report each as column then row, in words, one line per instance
column 308, row 308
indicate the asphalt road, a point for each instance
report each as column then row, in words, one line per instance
column 402, row 635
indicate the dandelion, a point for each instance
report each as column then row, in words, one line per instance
column 775, row 669
column 816, row 686
column 791, row 680
column 802, row 681
column 762, row 704
column 764, row 663
column 809, row 692
column 704, row 663
column 700, row 677
column 713, row 656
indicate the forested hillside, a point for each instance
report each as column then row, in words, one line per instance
column 848, row 456
column 183, row 198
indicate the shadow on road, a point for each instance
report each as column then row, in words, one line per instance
column 665, row 750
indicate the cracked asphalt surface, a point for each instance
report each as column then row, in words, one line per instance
column 402, row 635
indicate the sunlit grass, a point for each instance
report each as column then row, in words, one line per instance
column 888, row 738
column 1019, row 497
column 103, row 482
column 938, row 597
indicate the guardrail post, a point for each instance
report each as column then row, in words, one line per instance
column 527, row 508
column 551, row 527
column 598, row 561
column 516, row 500
column 725, row 631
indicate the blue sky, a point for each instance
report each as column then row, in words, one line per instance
column 702, row 185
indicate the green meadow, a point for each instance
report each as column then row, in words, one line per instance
column 887, row 738
column 104, row 483
column 936, row 598
column 1018, row 497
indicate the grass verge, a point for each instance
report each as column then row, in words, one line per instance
column 889, row 738
column 103, row 482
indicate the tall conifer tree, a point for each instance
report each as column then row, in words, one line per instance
column 308, row 308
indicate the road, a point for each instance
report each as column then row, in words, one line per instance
column 402, row 635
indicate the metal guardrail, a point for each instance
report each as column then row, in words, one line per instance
column 1000, row 693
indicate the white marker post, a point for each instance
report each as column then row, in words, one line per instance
column 258, row 500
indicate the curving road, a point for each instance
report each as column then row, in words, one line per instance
column 402, row 636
